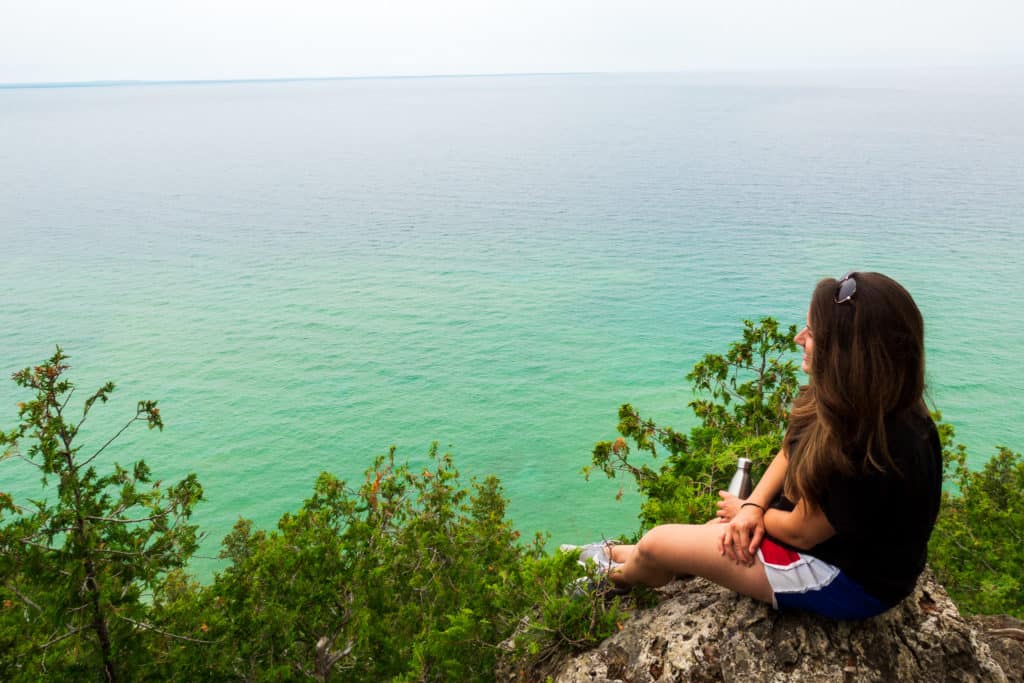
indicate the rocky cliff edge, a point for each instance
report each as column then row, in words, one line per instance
column 702, row 632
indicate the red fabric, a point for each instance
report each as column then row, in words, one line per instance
column 775, row 554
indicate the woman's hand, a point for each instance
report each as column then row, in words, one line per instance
column 728, row 507
column 742, row 534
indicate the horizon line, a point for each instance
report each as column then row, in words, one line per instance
column 114, row 83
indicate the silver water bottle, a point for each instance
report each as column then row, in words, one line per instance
column 740, row 484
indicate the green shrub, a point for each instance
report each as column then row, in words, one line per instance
column 413, row 576
column 743, row 400
column 76, row 564
column 977, row 547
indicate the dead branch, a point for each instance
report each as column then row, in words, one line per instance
column 150, row 627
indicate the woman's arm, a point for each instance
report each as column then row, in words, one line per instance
column 763, row 494
column 802, row 528
column 771, row 483
column 746, row 524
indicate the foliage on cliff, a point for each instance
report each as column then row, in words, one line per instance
column 742, row 401
column 413, row 576
column 977, row 548
column 76, row 563
column 409, row 575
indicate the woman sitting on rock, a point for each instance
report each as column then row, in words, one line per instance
column 839, row 523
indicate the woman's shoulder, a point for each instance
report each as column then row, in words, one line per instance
column 913, row 437
column 911, row 425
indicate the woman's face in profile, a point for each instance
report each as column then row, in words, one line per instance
column 805, row 338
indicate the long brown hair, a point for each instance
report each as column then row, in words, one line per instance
column 867, row 363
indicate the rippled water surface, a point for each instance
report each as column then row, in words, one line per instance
column 305, row 273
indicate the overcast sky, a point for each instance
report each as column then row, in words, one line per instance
column 81, row 40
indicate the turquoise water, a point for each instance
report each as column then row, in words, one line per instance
column 305, row 273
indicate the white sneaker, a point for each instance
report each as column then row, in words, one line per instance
column 596, row 553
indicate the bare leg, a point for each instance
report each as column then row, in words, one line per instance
column 673, row 549
column 620, row 553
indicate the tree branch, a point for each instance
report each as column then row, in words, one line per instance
column 150, row 627
column 109, row 441
column 43, row 546
column 326, row 659
column 24, row 598
column 66, row 401
column 56, row 640
column 133, row 553
column 14, row 453
column 118, row 520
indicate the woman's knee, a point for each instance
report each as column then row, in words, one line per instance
column 646, row 547
column 656, row 542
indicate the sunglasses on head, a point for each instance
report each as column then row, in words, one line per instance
column 846, row 289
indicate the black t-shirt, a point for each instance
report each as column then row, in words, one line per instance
column 883, row 519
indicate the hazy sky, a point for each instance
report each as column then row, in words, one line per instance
column 73, row 40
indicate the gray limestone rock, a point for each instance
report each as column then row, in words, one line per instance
column 702, row 632
column 1005, row 637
